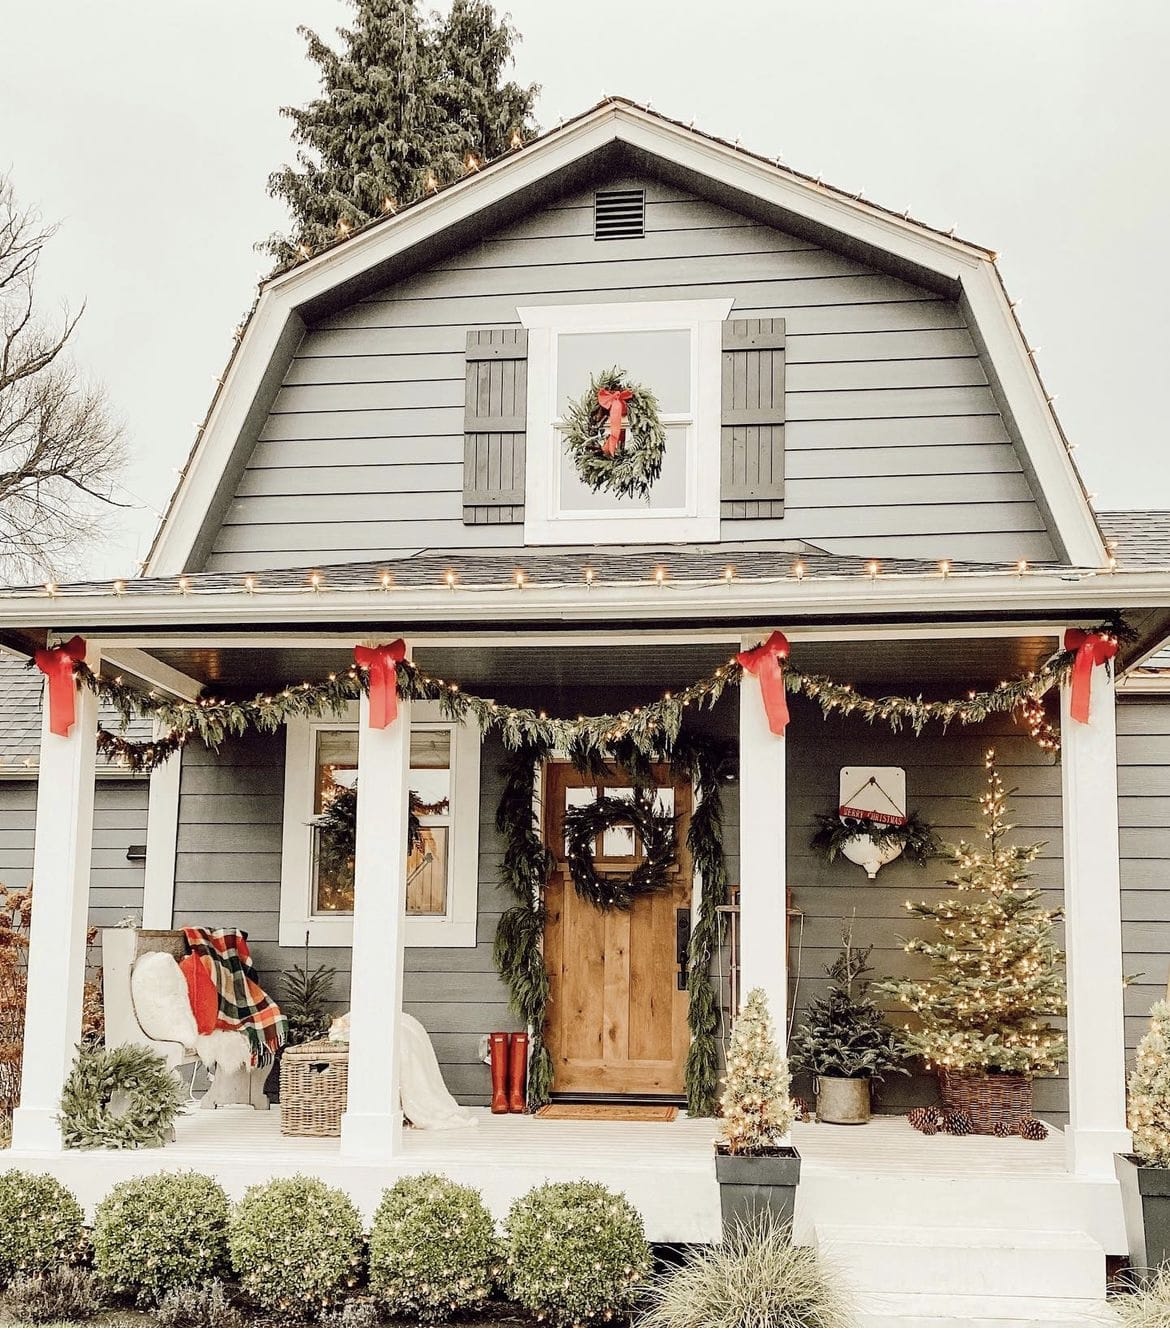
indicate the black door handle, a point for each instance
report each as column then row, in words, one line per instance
column 682, row 945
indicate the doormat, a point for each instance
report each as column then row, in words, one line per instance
column 608, row 1112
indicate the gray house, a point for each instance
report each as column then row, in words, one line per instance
column 858, row 453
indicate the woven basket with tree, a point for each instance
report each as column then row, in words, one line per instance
column 997, row 975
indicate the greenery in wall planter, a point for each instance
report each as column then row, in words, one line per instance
column 872, row 844
column 757, row 1170
column 1145, row 1174
column 845, row 1041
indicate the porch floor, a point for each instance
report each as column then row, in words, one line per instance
column 666, row 1169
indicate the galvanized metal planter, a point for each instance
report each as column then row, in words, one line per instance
column 844, row 1100
column 1145, row 1202
column 753, row 1185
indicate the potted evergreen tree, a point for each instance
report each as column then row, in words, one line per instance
column 1145, row 1174
column 997, row 973
column 757, row 1169
column 845, row 1042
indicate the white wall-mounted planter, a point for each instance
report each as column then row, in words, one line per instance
column 863, row 851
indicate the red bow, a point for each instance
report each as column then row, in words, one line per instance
column 1092, row 649
column 56, row 664
column 379, row 663
column 614, row 401
column 766, row 662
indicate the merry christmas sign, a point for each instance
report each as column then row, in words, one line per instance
column 876, row 793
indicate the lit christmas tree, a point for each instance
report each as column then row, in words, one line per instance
column 756, row 1107
column 997, row 971
column 1149, row 1091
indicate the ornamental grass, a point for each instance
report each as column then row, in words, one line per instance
column 754, row 1277
column 1145, row 1304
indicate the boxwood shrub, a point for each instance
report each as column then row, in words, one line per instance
column 158, row 1233
column 432, row 1249
column 296, row 1246
column 574, row 1252
column 40, row 1224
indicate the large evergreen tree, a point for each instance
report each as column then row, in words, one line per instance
column 405, row 101
column 997, row 972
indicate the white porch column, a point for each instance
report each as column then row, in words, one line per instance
column 1092, row 903
column 162, row 838
column 372, row 1124
column 56, row 956
column 763, row 914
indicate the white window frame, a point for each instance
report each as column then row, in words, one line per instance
column 544, row 522
column 455, row 928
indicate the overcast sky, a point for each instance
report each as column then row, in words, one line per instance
column 1037, row 127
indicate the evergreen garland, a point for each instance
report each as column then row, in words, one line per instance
column 648, row 729
column 637, row 464
column 617, row 891
column 87, row 1120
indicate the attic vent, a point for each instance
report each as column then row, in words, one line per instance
column 619, row 214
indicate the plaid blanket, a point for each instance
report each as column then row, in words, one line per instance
column 243, row 1004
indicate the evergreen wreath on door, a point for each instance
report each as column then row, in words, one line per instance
column 615, row 435
column 654, row 830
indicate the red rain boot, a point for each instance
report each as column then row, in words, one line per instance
column 518, row 1074
column 498, row 1043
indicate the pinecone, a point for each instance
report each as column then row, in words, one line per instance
column 802, row 1109
column 957, row 1123
column 1032, row 1129
column 924, row 1119
column 1004, row 1129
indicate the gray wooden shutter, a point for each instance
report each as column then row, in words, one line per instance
column 494, row 426
column 752, row 445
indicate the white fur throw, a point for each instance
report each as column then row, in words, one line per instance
column 161, row 1005
column 223, row 1050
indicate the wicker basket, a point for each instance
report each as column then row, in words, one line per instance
column 313, row 1083
column 987, row 1097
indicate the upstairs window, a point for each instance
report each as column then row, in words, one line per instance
column 673, row 349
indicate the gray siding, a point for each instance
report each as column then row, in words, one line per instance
column 119, row 818
column 228, row 869
column 893, row 442
column 944, row 775
column 228, row 875
column 1143, row 786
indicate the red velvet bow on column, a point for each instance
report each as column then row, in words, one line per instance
column 1092, row 649
column 56, row 664
column 766, row 662
column 379, row 664
column 614, row 401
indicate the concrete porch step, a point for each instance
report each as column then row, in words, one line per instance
column 928, row 1275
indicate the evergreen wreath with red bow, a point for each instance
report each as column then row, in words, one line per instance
column 615, row 436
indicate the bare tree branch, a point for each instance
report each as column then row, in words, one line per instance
column 61, row 446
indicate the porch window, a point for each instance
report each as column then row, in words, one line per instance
column 317, row 869
column 673, row 348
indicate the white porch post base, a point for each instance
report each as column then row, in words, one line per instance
column 56, row 955
column 1092, row 903
column 371, row 1127
column 763, row 906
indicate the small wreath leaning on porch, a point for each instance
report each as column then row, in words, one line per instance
column 615, row 436
column 614, row 891
column 152, row 1099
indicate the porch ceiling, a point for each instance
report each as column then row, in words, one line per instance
column 541, row 674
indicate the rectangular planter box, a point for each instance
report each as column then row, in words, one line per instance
column 751, row 1185
column 1145, row 1202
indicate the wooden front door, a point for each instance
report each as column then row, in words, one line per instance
column 617, row 1014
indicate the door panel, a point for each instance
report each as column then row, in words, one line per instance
column 617, row 1017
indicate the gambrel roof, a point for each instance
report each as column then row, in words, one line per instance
column 617, row 134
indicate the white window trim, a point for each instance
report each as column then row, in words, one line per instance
column 457, row 928
column 544, row 524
